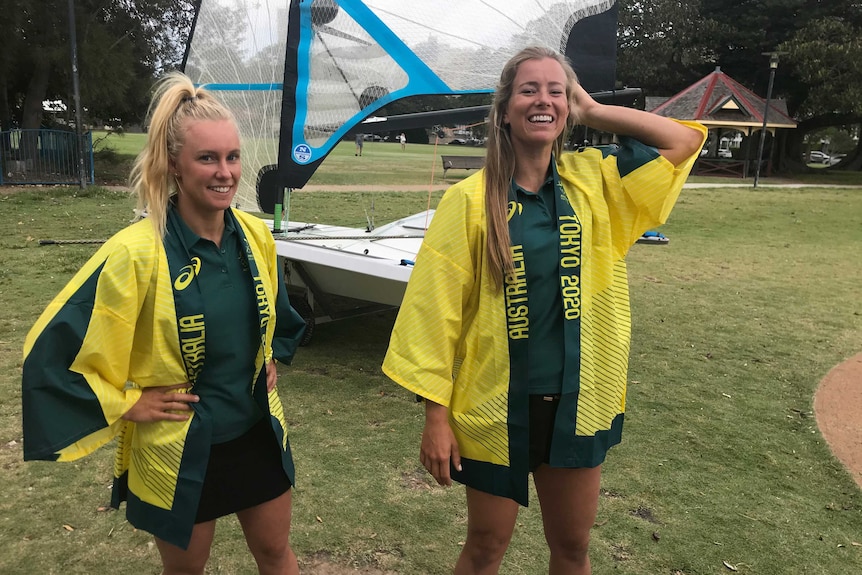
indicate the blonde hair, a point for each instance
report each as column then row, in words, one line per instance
column 175, row 100
column 500, row 157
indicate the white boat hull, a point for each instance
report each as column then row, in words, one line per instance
column 351, row 262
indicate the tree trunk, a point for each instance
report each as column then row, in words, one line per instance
column 31, row 117
column 854, row 162
column 5, row 110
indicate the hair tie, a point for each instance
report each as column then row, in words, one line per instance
column 189, row 99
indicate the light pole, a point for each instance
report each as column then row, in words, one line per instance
column 73, row 46
column 773, row 66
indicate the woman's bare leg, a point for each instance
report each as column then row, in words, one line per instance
column 569, row 500
column 191, row 561
column 490, row 523
column 267, row 533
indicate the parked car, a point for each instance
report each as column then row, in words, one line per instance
column 721, row 153
column 818, row 157
column 457, row 142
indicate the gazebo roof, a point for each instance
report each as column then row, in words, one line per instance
column 717, row 100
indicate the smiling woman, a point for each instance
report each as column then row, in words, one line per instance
column 206, row 171
column 538, row 110
column 539, row 350
column 176, row 361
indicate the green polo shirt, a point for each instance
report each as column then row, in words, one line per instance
column 233, row 334
column 541, row 242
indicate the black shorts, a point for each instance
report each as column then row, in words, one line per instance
column 242, row 473
column 543, row 410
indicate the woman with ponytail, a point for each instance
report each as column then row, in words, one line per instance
column 166, row 341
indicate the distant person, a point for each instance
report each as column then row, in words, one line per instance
column 166, row 341
column 359, row 142
column 515, row 325
column 403, row 139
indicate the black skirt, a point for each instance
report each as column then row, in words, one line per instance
column 543, row 412
column 242, row 473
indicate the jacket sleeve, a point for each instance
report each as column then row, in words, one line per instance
column 76, row 359
column 644, row 188
column 289, row 325
column 431, row 320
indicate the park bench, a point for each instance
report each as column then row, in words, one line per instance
column 462, row 163
column 720, row 167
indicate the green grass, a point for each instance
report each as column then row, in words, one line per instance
column 350, row 209
column 824, row 175
column 386, row 164
column 122, row 143
column 757, row 296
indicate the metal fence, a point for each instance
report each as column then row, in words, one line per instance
column 34, row 157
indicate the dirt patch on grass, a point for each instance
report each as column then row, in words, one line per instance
column 645, row 513
column 417, row 479
column 324, row 564
column 838, row 408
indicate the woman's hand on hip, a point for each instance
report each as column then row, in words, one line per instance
column 439, row 446
column 271, row 375
column 163, row 403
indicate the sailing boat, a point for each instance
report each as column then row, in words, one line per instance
column 301, row 75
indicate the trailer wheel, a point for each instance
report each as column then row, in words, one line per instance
column 303, row 308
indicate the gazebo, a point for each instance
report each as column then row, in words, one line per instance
column 733, row 114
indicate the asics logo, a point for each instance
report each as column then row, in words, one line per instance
column 187, row 274
column 512, row 207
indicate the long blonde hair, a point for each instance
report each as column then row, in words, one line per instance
column 500, row 157
column 175, row 100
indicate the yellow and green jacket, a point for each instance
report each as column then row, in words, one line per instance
column 116, row 329
column 453, row 339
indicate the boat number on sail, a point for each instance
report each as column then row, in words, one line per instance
column 301, row 153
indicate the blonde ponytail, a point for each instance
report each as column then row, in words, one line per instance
column 175, row 100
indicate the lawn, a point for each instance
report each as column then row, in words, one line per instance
column 385, row 164
column 122, row 143
column 722, row 468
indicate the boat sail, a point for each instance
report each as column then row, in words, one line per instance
column 301, row 75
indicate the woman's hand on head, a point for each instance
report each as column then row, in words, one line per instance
column 580, row 103
column 163, row 403
column 674, row 141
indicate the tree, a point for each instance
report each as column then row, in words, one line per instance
column 667, row 44
column 826, row 57
column 122, row 45
column 660, row 45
